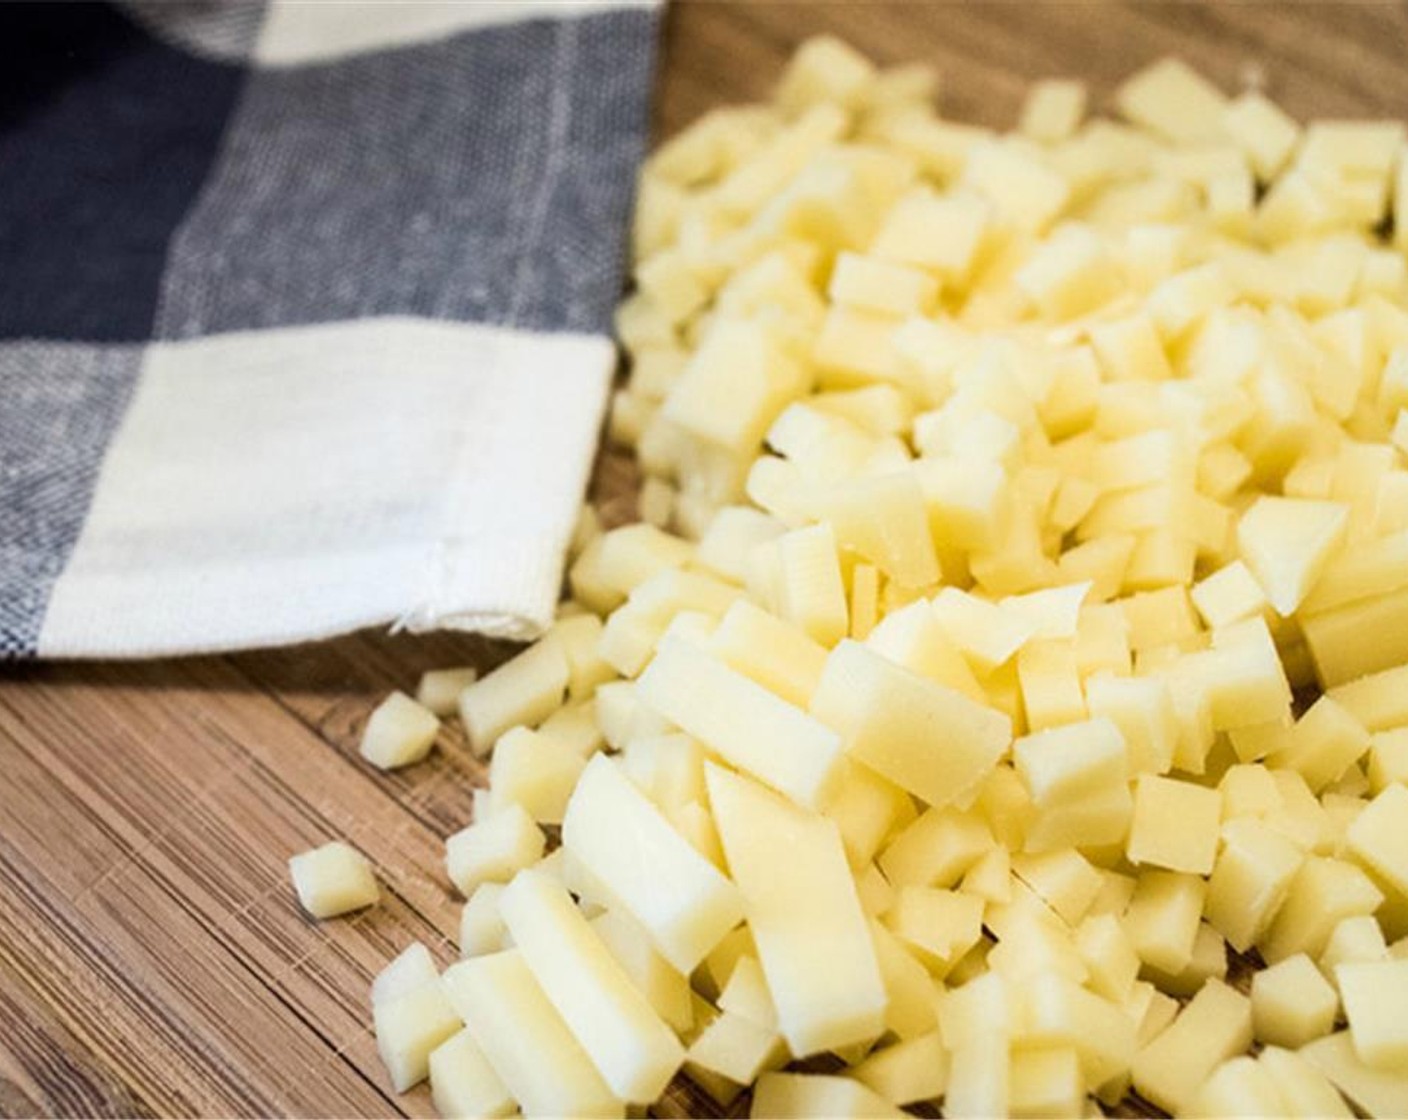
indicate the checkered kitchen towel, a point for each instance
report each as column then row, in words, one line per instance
column 304, row 311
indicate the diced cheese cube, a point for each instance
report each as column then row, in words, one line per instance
column 887, row 717
column 1375, row 995
column 439, row 689
column 813, row 595
column 1250, row 880
column 525, row 690
column 1215, row 1026
column 1239, row 1087
column 1162, row 919
column 933, row 232
column 1175, row 825
column 409, row 1026
column 1062, row 764
column 399, row 733
column 792, row 1096
column 1053, row 109
column 1323, row 893
column 1292, row 1003
column 1287, row 543
column 332, row 880
column 463, row 1084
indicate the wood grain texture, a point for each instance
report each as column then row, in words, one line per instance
column 153, row 960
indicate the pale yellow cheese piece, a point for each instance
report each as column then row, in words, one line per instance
column 1292, row 1003
column 908, row 1071
column 634, row 1050
column 525, row 1040
column 1288, row 542
column 795, row 1096
column 1175, row 825
column 1305, row 1091
column 463, row 1085
column 1379, row 1093
column 524, row 690
column 1214, row 1027
column 439, row 689
column 1174, row 100
column 646, row 867
column 743, row 722
column 332, row 880
column 1375, row 996
column 801, row 905
column 494, row 849
column 927, row 739
column 1053, row 109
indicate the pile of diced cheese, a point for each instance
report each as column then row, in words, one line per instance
column 1017, row 631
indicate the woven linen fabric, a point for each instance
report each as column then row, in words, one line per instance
column 304, row 312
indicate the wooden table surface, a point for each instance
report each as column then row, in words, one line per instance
column 153, row 959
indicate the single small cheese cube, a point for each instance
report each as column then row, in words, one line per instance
column 1375, row 995
column 937, row 926
column 1050, row 683
column 1064, row 763
column 978, row 1077
column 579, row 637
column 1045, row 1083
column 493, row 850
column 1287, row 543
column 987, row 634
column 1023, row 190
column 1378, row 838
column 1130, row 350
column 411, row 969
column 1060, row 1012
column 525, row 690
column 332, row 880
column 792, row 1096
column 1292, row 1003
column 1175, row 825
column 1355, row 940
column 1053, row 110
column 743, row 722
column 463, row 1084
column 1240, row 1087
column 482, row 928
column 936, row 849
column 824, row 69
column 882, row 286
column 1266, row 135
column 524, row 1039
column 1162, row 919
column 409, row 1026
column 887, row 718
column 635, row 1052
column 800, row 901
column 1377, row 1092
column 910, row 1010
column 535, row 771
column 1326, row 742
column 1229, row 595
column 1109, row 956
column 1172, row 99
column 1142, row 709
column 812, row 593
column 646, row 867
column 735, row 1048
column 439, row 689
column 908, row 1071
column 1250, row 880
column 1324, row 892
column 1214, row 1027
column 1305, row 1091
column 399, row 732
column 1388, row 759
column 1379, row 701
column 884, row 520
column 933, row 232
column 1065, row 881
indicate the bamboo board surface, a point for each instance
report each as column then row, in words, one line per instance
column 153, row 960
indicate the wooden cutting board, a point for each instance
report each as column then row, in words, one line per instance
column 152, row 957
